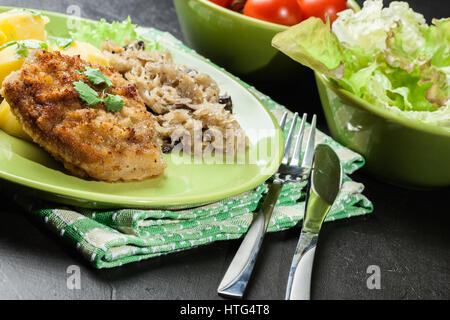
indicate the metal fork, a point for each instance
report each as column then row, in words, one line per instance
column 236, row 278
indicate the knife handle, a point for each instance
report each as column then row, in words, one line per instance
column 299, row 283
column 236, row 278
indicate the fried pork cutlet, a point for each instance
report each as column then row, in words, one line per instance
column 89, row 140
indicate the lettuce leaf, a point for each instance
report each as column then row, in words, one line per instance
column 120, row 32
column 368, row 27
column 437, row 42
column 387, row 56
column 312, row 44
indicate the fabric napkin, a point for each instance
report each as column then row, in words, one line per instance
column 111, row 238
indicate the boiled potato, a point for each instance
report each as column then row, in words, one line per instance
column 21, row 25
column 9, row 123
column 16, row 25
column 87, row 52
column 2, row 37
column 9, row 62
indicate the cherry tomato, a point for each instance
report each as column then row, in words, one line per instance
column 318, row 8
column 286, row 12
column 223, row 3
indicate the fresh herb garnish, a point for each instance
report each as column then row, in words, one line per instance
column 33, row 12
column 64, row 43
column 96, row 77
column 24, row 45
column 87, row 94
column 113, row 103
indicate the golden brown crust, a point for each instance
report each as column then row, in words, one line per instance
column 89, row 140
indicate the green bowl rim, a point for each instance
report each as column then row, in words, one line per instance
column 382, row 112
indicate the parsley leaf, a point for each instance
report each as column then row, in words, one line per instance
column 87, row 94
column 34, row 44
column 90, row 96
column 113, row 102
column 21, row 51
column 64, row 43
column 97, row 77
column 33, row 12
column 8, row 44
column 24, row 45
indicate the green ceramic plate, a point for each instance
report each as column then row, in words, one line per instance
column 182, row 185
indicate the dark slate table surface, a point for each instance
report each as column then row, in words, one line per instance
column 407, row 236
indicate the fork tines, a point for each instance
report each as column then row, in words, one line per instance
column 309, row 150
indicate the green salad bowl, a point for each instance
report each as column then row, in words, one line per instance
column 238, row 43
column 397, row 149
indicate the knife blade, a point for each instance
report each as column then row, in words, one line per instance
column 324, row 185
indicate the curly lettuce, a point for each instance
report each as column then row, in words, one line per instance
column 120, row 32
column 388, row 56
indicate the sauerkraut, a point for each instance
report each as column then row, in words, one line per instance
column 186, row 103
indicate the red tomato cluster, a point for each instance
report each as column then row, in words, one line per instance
column 286, row 12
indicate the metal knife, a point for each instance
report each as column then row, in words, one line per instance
column 324, row 185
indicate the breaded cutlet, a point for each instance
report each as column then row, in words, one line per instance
column 89, row 140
